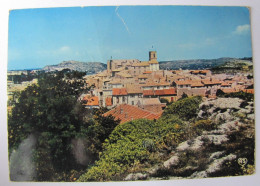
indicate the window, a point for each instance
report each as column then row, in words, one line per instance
column 133, row 102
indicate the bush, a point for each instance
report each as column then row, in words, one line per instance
column 124, row 147
column 132, row 142
column 185, row 109
column 201, row 125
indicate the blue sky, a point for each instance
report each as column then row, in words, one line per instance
column 40, row 37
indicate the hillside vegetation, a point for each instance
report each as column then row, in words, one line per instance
column 212, row 138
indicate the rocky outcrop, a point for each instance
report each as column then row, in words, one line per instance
column 207, row 152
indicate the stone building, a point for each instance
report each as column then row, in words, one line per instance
column 133, row 66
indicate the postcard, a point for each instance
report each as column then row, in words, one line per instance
column 130, row 93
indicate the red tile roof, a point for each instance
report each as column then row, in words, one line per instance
column 163, row 92
column 91, row 101
column 127, row 113
column 119, row 92
column 148, row 92
column 197, row 84
column 249, row 91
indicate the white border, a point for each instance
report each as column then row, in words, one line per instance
column 6, row 5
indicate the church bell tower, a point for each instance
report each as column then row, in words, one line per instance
column 152, row 55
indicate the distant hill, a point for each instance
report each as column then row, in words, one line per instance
column 199, row 63
column 89, row 67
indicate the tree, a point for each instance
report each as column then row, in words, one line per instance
column 51, row 111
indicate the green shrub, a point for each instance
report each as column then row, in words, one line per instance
column 134, row 144
column 203, row 125
column 123, row 148
column 185, row 109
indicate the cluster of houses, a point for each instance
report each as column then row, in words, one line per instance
column 131, row 85
column 134, row 89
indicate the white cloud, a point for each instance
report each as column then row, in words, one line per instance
column 242, row 29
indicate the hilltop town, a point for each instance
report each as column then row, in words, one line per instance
column 132, row 121
column 136, row 89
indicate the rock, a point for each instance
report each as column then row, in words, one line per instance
column 213, row 167
column 183, row 146
column 173, row 161
column 217, row 139
column 223, row 117
column 200, row 114
column 211, row 110
column 229, row 126
column 153, row 170
column 197, row 143
column 136, row 176
column 215, row 155
column 244, row 111
column 216, row 164
column 227, row 103
column 201, row 174
column 251, row 116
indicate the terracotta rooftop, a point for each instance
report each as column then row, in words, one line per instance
column 186, row 82
column 171, row 91
column 91, row 101
column 249, row 91
column 148, row 92
column 119, row 92
column 225, row 84
column 163, row 92
column 127, row 113
column 196, row 84
column 211, row 82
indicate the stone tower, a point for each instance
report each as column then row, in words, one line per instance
column 152, row 55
